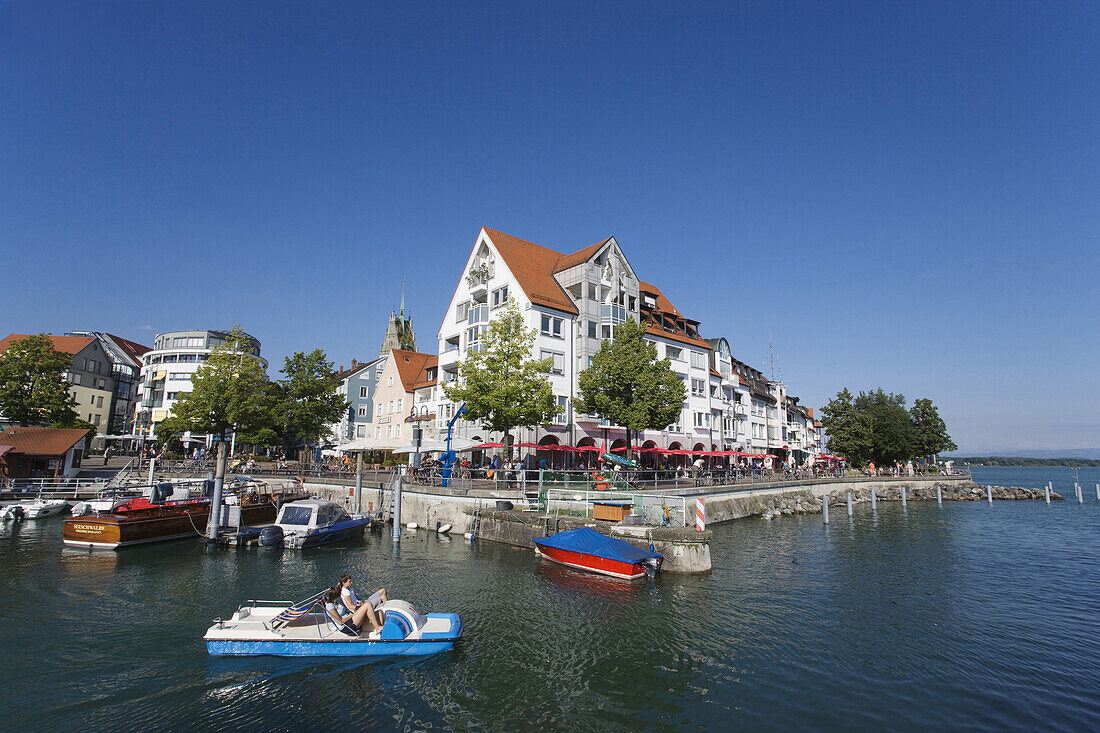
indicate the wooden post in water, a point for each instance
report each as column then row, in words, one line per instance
column 939, row 494
column 1046, row 491
column 1098, row 492
column 825, row 509
column 849, row 503
column 903, row 497
column 874, row 503
column 989, row 494
column 1080, row 494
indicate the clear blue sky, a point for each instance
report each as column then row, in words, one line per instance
column 898, row 195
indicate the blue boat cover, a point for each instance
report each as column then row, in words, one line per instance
column 590, row 542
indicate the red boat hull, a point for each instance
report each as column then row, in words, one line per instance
column 593, row 564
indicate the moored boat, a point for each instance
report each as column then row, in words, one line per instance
column 37, row 509
column 587, row 549
column 311, row 522
column 140, row 521
column 281, row 628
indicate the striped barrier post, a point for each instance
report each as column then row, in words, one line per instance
column 700, row 516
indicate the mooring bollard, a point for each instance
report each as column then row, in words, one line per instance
column 874, row 504
column 989, row 494
column 939, row 494
column 1046, row 491
column 903, row 496
column 825, row 509
column 849, row 503
column 700, row 516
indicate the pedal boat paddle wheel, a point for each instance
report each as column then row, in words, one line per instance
column 284, row 629
column 586, row 549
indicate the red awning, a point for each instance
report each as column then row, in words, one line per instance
column 481, row 446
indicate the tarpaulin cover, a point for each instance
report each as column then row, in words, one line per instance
column 590, row 542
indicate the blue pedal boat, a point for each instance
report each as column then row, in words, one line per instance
column 285, row 629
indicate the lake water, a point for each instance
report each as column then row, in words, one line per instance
column 965, row 616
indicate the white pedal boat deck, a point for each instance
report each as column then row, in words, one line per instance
column 261, row 627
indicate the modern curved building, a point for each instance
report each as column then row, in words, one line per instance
column 167, row 369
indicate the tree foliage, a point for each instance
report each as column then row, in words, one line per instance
column 229, row 391
column 33, row 390
column 307, row 400
column 504, row 388
column 876, row 427
column 931, row 432
column 629, row 386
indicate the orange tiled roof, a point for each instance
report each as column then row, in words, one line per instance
column 64, row 344
column 533, row 265
column 581, row 255
column 665, row 307
column 42, row 441
column 411, row 366
column 663, row 303
column 133, row 349
column 422, row 378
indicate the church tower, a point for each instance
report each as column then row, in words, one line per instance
column 399, row 332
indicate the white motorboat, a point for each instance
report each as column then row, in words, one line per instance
column 37, row 509
column 311, row 522
column 105, row 502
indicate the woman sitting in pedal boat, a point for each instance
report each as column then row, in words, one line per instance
column 352, row 623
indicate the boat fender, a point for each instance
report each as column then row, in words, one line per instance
column 469, row 535
column 412, row 525
column 443, row 529
column 271, row 538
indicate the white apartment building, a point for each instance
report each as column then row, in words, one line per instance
column 573, row 302
column 167, row 369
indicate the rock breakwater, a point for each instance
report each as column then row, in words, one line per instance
column 805, row 502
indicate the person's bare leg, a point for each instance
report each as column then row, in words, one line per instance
column 382, row 595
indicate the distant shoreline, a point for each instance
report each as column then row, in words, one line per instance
column 1018, row 461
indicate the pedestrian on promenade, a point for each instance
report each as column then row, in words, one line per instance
column 106, row 455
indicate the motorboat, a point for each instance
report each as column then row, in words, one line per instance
column 311, row 522
column 141, row 520
column 37, row 509
column 587, row 549
column 104, row 502
column 285, row 629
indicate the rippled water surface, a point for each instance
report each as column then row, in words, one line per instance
column 965, row 616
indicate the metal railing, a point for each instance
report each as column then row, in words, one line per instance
column 654, row 509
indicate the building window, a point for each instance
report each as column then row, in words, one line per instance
column 360, row 431
column 364, row 411
column 698, row 360
column 702, row 419
column 591, row 329
column 397, row 430
column 562, row 418
column 551, row 326
column 557, row 361
column 95, row 421
column 674, row 353
column 462, row 310
column 179, row 341
column 698, row 387
column 74, row 378
column 389, row 381
column 379, row 409
column 401, row 404
column 500, row 296
column 195, row 341
column 363, row 392
column 99, row 402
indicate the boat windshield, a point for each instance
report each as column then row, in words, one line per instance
column 296, row 515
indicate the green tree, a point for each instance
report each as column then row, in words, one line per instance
column 849, row 429
column 504, row 388
column 229, row 392
column 307, row 401
column 930, row 431
column 33, row 390
column 893, row 436
column 629, row 386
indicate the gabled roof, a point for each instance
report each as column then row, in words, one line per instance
column 533, row 265
column 580, row 256
column 42, row 441
column 64, row 344
column 411, row 366
column 133, row 350
column 665, row 308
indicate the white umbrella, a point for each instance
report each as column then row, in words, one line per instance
column 369, row 444
column 438, row 446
